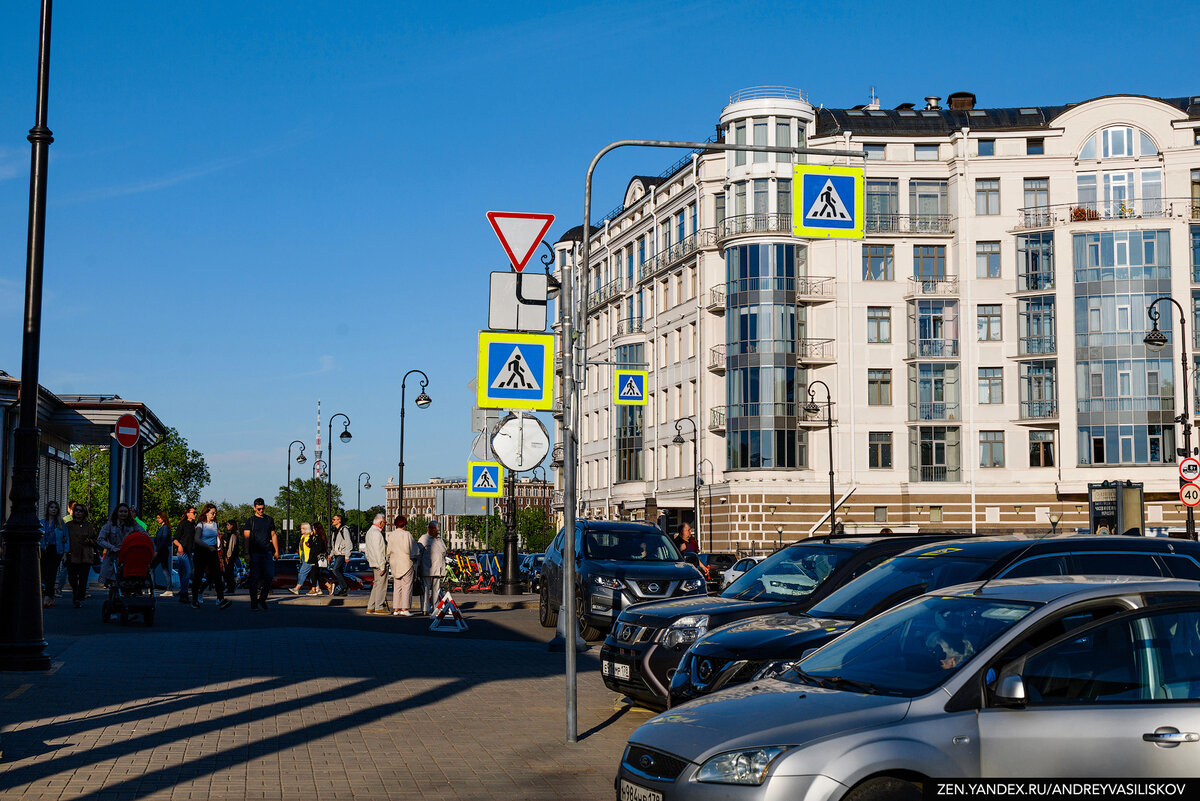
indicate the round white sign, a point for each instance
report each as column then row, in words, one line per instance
column 1189, row 469
column 1190, row 494
column 520, row 442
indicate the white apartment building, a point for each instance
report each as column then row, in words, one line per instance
column 982, row 343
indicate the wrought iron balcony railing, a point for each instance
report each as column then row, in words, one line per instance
column 932, row 410
column 716, row 299
column 629, row 325
column 884, row 224
column 1037, row 346
column 675, row 253
column 606, row 292
column 716, row 359
column 933, row 348
column 716, row 419
column 934, row 474
column 1091, row 210
column 754, row 224
column 923, row 285
column 1039, row 410
column 1032, row 282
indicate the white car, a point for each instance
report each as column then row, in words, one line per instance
column 739, row 568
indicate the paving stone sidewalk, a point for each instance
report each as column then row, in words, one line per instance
column 306, row 701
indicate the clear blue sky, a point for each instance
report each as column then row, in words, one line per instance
column 253, row 204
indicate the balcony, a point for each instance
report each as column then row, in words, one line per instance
column 815, row 290
column 629, row 325
column 928, row 474
column 816, row 351
column 716, row 419
column 1039, row 410
column 932, row 411
column 1100, row 210
column 1035, row 282
column 557, row 410
column 933, row 349
column 716, row 359
column 919, row 286
column 716, row 300
column 906, row 224
column 556, row 455
column 606, row 292
column 705, row 237
column 1127, row 404
column 1037, row 346
column 754, row 224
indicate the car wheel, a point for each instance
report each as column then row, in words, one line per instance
column 586, row 630
column 546, row 616
column 885, row 788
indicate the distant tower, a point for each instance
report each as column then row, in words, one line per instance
column 319, row 454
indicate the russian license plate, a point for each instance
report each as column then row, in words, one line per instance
column 614, row 669
column 632, row 792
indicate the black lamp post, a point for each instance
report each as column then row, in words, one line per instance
column 300, row 459
column 1155, row 341
column 22, row 641
column 811, row 408
column 358, row 528
column 422, row 402
column 711, row 474
column 678, row 440
column 320, row 470
column 345, row 436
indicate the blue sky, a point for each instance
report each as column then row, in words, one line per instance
column 256, row 204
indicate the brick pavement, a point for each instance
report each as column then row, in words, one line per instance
column 307, row 701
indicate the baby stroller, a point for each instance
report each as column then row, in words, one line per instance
column 132, row 592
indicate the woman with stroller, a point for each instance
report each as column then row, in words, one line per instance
column 82, row 552
column 206, row 558
column 54, row 550
column 111, row 536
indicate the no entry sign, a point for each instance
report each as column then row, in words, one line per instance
column 128, row 430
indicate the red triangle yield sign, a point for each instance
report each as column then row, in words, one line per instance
column 519, row 233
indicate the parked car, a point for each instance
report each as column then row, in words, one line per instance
column 648, row 640
column 740, row 651
column 360, row 569
column 715, row 565
column 288, row 570
column 1052, row 677
column 616, row 564
column 531, row 570
column 739, row 568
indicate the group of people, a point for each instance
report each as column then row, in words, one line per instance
column 397, row 553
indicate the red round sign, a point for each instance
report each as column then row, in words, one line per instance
column 1189, row 494
column 128, row 430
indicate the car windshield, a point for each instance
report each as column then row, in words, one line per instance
column 788, row 575
column 898, row 580
column 630, row 546
column 911, row 649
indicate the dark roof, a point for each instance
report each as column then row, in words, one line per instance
column 576, row 234
column 944, row 121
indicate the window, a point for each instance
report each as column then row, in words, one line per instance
column 927, row 152
column 988, row 323
column 880, row 450
column 879, row 324
column 875, row 152
column 1035, row 147
column 987, row 147
column 783, row 138
column 987, row 259
column 879, row 387
column 739, row 138
column 760, row 140
column 991, row 385
column 991, row 449
column 880, row 514
column 1037, row 192
column 1035, row 261
column 929, row 262
column 987, row 196
column 783, row 196
column 877, row 262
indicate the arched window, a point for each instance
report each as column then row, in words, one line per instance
column 1118, row 142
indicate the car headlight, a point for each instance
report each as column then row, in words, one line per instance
column 740, row 767
column 691, row 585
column 773, row 669
column 606, row 581
column 685, row 631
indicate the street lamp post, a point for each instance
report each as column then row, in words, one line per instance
column 812, row 408
column 678, row 440
column 345, row 436
column 358, row 528
column 320, row 470
column 1054, row 518
column 1155, row 341
column 422, row 402
column 22, row 639
column 300, row 459
column 711, row 473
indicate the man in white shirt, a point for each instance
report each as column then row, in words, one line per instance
column 376, row 550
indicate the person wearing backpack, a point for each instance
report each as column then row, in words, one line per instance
column 339, row 552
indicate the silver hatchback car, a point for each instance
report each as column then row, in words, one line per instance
column 1037, row 678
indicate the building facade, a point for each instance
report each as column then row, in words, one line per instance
column 444, row 500
column 982, row 344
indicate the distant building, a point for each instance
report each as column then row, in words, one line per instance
column 445, row 500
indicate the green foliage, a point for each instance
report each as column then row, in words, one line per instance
column 307, row 500
column 487, row 529
column 360, row 519
column 89, row 480
column 418, row 525
column 534, row 529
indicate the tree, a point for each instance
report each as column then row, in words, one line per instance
column 488, row 530
column 534, row 529
column 307, row 500
column 418, row 525
column 359, row 520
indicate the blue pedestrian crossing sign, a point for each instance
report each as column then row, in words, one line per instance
column 629, row 388
column 485, row 479
column 828, row 202
column 516, row 371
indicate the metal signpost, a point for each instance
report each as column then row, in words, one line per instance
column 520, row 443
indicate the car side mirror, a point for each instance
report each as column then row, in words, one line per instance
column 691, row 559
column 1010, row 690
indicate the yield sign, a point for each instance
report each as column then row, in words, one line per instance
column 519, row 233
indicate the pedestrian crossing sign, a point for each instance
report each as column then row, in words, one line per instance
column 516, row 371
column 485, row 479
column 828, row 202
column 629, row 388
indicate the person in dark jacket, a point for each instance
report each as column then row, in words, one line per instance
column 685, row 541
column 162, row 552
column 231, row 545
column 185, row 540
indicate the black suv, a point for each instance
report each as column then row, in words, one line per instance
column 763, row 645
column 616, row 565
column 648, row 640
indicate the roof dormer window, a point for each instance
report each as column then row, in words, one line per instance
column 1117, row 143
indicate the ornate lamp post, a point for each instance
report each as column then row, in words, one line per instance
column 422, row 402
column 358, row 528
column 812, row 408
column 711, row 474
column 320, row 470
column 1155, row 341
column 345, row 436
column 678, row 440
column 300, row 459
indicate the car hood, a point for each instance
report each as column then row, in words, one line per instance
column 770, row 637
column 647, row 571
column 760, row 713
column 662, row 613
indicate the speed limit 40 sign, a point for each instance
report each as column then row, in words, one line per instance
column 1189, row 493
column 1189, row 469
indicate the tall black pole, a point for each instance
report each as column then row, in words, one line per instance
column 1156, row 340
column 22, row 643
column 358, row 527
column 422, row 396
column 510, row 583
column 288, row 495
column 329, row 466
column 695, row 469
column 811, row 408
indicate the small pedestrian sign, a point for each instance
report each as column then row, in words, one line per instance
column 516, row 371
column 629, row 388
column 828, row 202
column 485, row 479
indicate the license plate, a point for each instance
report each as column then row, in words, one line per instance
column 633, row 792
column 614, row 669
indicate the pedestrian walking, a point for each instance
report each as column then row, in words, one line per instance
column 61, row 580
column 206, row 559
column 54, row 550
column 231, row 551
column 400, row 547
column 339, row 551
column 685, row 541
column 376, row 548
column 262, row 547
column 433, row 567
column 162, row 554
column 81, row 555
column 185, row 537
column 309, row 556
column 113, row 533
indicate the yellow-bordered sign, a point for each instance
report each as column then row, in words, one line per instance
column 828, row 202
column 629, row 387
column 485, row 479
column 516, row 371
